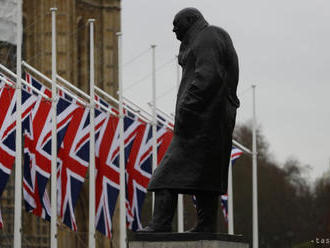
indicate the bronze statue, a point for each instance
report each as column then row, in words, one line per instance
column 198, row 157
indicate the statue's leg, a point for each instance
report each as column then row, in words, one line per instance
column 207, row 205
column 165, row 206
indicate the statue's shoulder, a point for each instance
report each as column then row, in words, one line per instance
column 216, row 30
column 212, row 35
column 219, row 34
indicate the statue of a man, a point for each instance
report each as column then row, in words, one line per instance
column 197, row 159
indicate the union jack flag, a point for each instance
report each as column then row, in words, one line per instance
column 37, row 149
column 7, row 152
column 235, row 154
column 36, row 156
column 139, row 168
column 224, row 206
column 107, row 166
column 73, row 161
column 8, row 126
column 100, row 101
column 164, row 136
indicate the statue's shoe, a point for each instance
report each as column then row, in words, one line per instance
column 150, row 229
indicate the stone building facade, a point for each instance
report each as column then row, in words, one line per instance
column 73, row 39
column 73, row 65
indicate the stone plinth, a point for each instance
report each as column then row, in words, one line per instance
column 187, row 240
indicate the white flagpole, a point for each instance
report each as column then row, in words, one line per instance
column 254, row 176
column 163, row 114
column 243, row 148
column 180, row 196
column 53, row 226
column 230, row 199
column 67, row 91
column 122, row 194
column 154, row 118
column 91, row 229
column 18, row 159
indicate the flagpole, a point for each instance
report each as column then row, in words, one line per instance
column 230, row 199
column 254, row 175
column 164, row 114
column 53, row 227
column 130, row 104
column 91, row 229
column 180, row 196
column 154, row 118
column 122, row 194
column 18, row 157
column 243, row 148
column 67, row 91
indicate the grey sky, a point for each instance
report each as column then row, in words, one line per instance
column 283, row 49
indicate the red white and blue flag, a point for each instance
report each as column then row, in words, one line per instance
column 235, row 154
column 74, row 160
column 164, row 136
column 107, row 176
column 139, row 168
column 107, row 167
column 37, row 149
column 138, row 174
column 37, row 156
column 224, row 206
column 8, row 126
column 7, row 147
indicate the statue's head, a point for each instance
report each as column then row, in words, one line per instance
column 184, row 19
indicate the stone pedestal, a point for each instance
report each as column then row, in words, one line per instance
column 187, row 240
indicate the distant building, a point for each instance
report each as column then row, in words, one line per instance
column 73, row 65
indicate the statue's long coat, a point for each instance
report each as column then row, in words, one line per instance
column 198, row 156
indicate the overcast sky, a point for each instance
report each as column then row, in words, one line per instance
column 283, row 48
